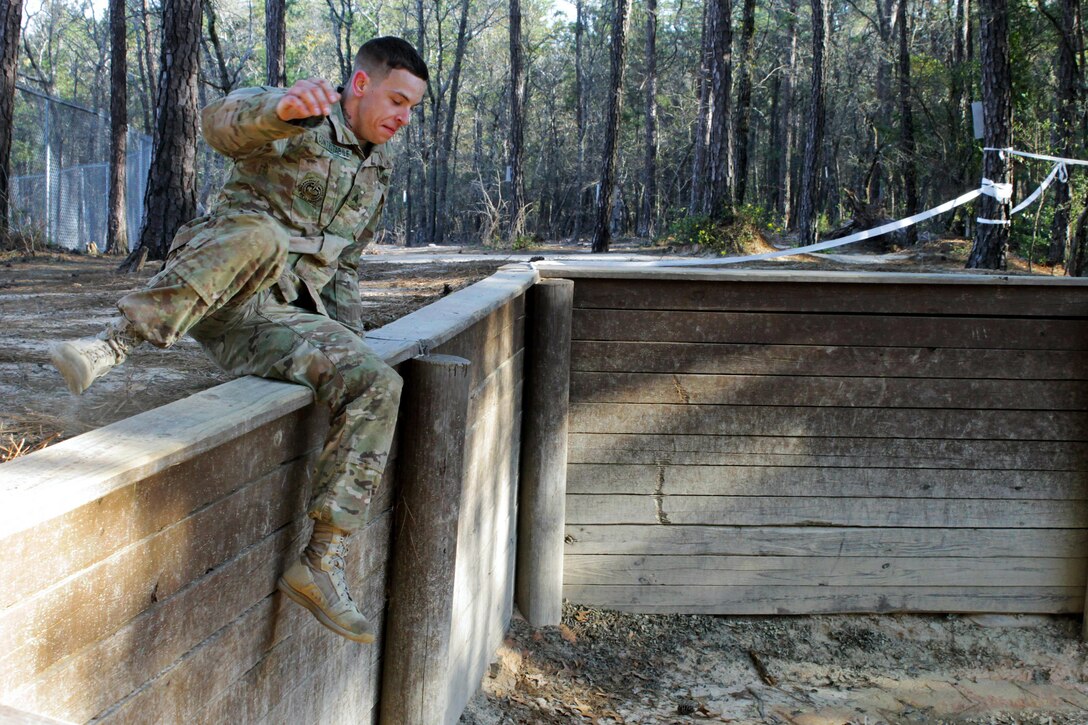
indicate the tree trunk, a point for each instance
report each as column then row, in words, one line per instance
column 649, row 166
column 991, row 240
column 697, row 201
column 580, row 119
column 11, row 14
column 906, row 125
column 1064, row 121
column 786, row 137
column 150, row 72
column 275, row 42
column 876, row 181
column 814, row 137
column 602, row 231
column 744, row 102
column 446, row 142
column 517, row 131
column 116, row 222
column 170, row 199
column 959, row 109
column 720, row 149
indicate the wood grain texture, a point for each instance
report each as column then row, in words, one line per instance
column 825, row 511
column 819, row 451
column 774, row 571
column 936, row 298
column 615, row 478
column 800, row 599
column 774, row 358
column 830, row 329
column 754, row 420
column 825, row 541
column 847, row 392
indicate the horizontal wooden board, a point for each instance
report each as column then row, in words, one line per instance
column 612, row 478
column 824, row 541
column 710, row 450
column 831, row 329
column 91, row 533
column 775, row 571
column 847, row 392
column 829, row 600
column 825, row 511
column 832, row 360
column 834, row 422
column 489, row 342
column 929, row 298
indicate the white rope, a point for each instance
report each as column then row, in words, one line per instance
column 1041, row 157
column 1059, row 171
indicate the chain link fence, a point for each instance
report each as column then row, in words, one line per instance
column 60, row 172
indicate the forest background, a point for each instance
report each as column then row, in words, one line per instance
column 703, row 121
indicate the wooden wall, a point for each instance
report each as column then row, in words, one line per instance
column 140, row 560
column 749, row 443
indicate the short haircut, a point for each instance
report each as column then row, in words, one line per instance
column 379, row 56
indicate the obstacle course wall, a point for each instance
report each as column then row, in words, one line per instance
column 140, row 559
column 762, row 442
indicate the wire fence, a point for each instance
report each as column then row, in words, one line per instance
column 60, row 172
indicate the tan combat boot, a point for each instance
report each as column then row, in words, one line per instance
column 316, row 581
column 83, row 361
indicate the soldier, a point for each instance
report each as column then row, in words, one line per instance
column 268, row 284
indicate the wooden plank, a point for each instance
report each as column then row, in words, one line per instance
column 88, row 607
column 86, row 534
column 447, row 318
column 12, row 716
column 489, row 342
column 829, row 600
column 772, row 571
column 710, row 450
column 925, row 298
column 47, row 484
column 836, row 422
column 819, row 541
column 825, row 511
column 862, row 392
column 855, row 360
column 107, row 672
column 498, row 386
column 613, row 478
column 802, row 329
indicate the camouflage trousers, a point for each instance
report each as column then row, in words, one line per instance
column 247, row 331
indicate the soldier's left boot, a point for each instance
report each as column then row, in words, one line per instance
column 317, row 582
column 83, row 361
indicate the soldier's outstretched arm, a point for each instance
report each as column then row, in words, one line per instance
column 250, row 121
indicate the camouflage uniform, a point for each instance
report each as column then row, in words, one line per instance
column 268, row 282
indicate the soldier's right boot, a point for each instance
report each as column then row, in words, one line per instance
column 316, row 581
column 83, row 361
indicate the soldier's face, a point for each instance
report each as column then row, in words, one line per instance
column 376, row 110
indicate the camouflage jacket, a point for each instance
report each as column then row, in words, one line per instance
column 316, row 179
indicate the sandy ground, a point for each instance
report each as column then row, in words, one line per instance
column 599, row 666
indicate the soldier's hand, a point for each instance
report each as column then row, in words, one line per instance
column 307, row 98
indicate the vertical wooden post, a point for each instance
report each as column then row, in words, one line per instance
column 542, row 495
column 430, row 470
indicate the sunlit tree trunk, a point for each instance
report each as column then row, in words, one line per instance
column 116, row 226
column 1064, row 121
column 649, row 165
column 719, row 179
column 275, row 42
column 991, row 240
column 446, row 142
column 602, row 231
column 744, row 102
column 814, row 136
column 517, row 130
column 170, row 199
column 11, row 14
column 906, row 125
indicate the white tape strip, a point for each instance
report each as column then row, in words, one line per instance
column 1041, row 157
column 1059, row 171
column 1000, row 191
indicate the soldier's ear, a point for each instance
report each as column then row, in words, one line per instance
column 359, row 81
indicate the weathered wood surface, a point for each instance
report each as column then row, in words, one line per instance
column 825, row 511
column 541, row 504
column 936, row 571
column 711, row 450
column 415, row 678
column 800, row 599
column 756, row 420
column 489, row 342
column 825, row 541
column 12, row 716
column 802, row 329
column 894, row 483
column 936, row 297
column 861, row 392
column 910, row 361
